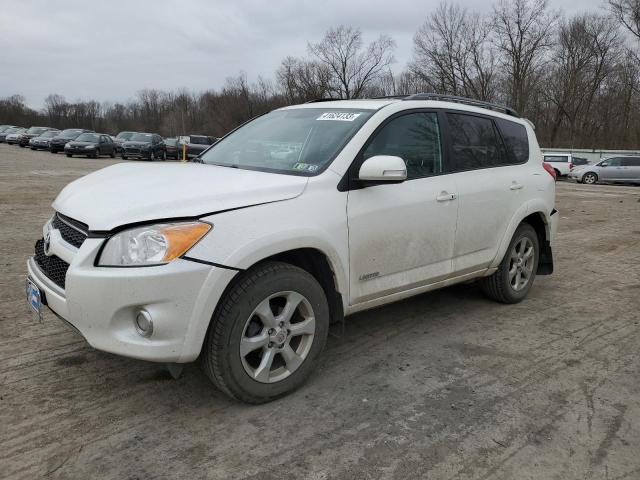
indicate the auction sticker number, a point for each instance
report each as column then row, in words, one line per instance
column 339, row 116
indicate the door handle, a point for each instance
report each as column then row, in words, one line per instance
column 446, row 197
column 516, row 186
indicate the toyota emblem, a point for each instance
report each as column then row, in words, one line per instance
column 47, row 244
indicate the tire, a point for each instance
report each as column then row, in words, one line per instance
column 22, row 146
column 69, row 155
column 590, row 178
column 53, row 151
column 113, row 154
column 124, row 157
column 500, row 285
column 152, row 156
column 164, row 156
column 96, row 154
column 270, row 285
column 557, row 174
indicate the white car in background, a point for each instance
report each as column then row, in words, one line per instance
column 562, row 163
column 299, row 217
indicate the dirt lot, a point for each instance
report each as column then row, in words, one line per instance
column 445, row 385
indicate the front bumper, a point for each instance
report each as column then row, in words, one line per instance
column 56, row 147
column 102, row 302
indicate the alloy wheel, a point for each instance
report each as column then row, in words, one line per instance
column 521, row 264
column 277, row 337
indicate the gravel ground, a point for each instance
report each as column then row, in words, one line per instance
column 446, row 385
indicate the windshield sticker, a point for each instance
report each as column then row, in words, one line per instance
column 339, row 116
column 305, row 167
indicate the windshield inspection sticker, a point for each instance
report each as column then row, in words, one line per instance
column 339, row 116
column 305, row 167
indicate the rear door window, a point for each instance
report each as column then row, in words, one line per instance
column 631, row 162
column 475, row 143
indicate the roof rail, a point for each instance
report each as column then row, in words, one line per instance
column 317, row 100
column 463, row 100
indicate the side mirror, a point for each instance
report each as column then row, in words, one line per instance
column 604, row 164
column 383, row 169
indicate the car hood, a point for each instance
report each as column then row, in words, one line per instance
column 128, row 193
column 82, row 144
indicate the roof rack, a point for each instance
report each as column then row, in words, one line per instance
column 463, row 100
column 317, row 100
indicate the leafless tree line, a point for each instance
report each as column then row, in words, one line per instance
column 576, row 78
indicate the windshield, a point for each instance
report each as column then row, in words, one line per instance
column 71, row 133
column 125, row 135
column 12, row 130
column 87, row 137
column 301, row 141
column 141, row 137
column 37, row 130
column 200, row 140
column 49, row 134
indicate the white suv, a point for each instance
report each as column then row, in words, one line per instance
column 290, row 222
column 562, row 163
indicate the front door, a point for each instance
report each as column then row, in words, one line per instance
column 401, row 236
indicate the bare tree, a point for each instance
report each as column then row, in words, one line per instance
column 353, row 67
column 627, row 12
column 453, row 55
column 301, row 80
column 523, row 31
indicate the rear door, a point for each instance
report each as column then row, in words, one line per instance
column 401, row 235
column 631, row 169
column 491, row 182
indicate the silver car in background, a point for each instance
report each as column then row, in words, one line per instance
column 614, row 169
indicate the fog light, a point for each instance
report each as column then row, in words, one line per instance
column 143, row 323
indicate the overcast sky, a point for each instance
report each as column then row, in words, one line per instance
column 109, row 50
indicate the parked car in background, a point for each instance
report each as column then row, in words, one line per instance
column 145, row 146
column 121, row 138
column 614, row 169
column 91, row 145
column 13, row 138
column 173, row 148
column 57, row 143
column 9, row 131
column 297, row 218
column 6, row 127
column 196, row 144
column 579, row 161
column 561, row 162
column 41, row 142
column 30, row 133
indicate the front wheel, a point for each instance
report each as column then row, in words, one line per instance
column 515, row 275
column 267, row 333
column 590, row 178
column 152, row 156
column 124, row 157
column 69, row 155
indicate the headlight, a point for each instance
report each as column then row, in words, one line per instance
column 151, row 244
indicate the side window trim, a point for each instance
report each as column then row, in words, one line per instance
column 347, row 181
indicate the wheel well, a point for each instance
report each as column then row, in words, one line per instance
column 537, row 221
column 317, row 264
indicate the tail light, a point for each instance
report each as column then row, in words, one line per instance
column 550, row 170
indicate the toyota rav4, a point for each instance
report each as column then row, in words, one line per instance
column 289, row 223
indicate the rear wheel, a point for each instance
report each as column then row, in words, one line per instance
column 515, row 275
column 589, row 178
column 113, row 154
column 267, row 333
column 557, row 174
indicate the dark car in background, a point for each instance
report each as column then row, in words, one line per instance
column 146, row 146
column 13, row 135
column 196, row 144
column 57, row 143
column 91, row 145
column 41, row 142
column 173, row 148
column 32, row 132
column 9, row 131
column 121, row 138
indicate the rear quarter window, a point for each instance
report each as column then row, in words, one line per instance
column 515, row 139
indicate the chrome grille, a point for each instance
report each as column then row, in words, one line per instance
column 72, row 232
